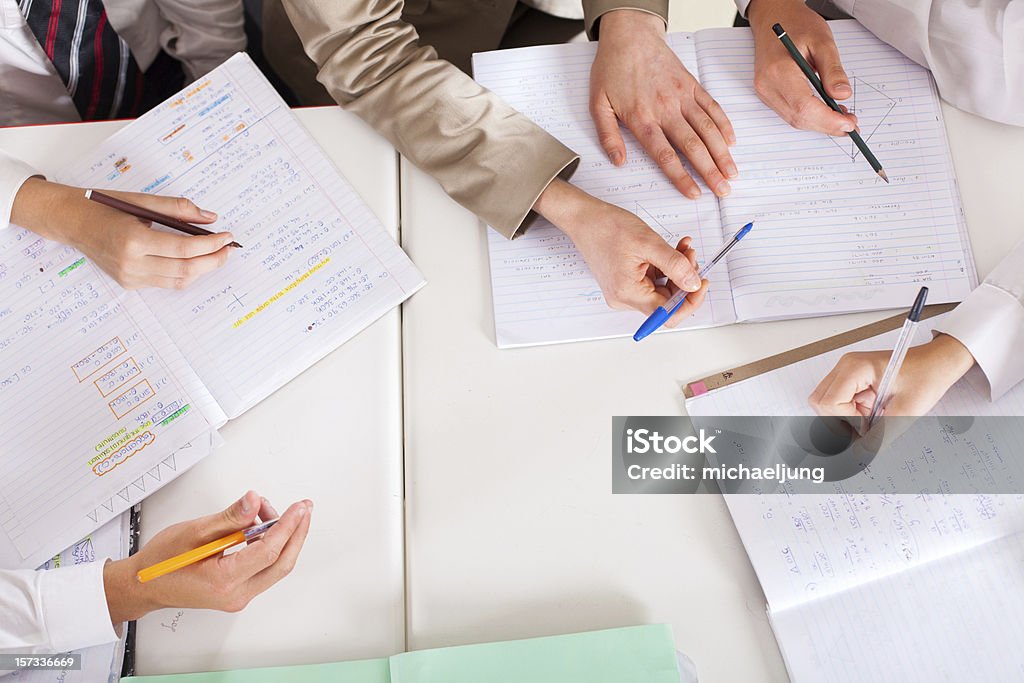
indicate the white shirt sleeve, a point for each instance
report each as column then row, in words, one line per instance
column 58, row 610
column 13, row 173
column 202, row 34
column 973, row 48
column 990, row 323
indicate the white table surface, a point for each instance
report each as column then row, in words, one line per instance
column 333, row 435
column 512, row 530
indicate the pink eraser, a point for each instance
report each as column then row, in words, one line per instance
column 698, row 388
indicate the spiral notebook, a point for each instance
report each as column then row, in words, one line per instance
column 829, row 236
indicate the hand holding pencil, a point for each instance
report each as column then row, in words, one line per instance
column 124, row 246
column 226, row 582
column 778, row 79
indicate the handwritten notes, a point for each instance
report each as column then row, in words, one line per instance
column 830, row 236
column 105, row 395
column 317, row 266
column 543, row 291
column 92, row 396
column 846, row 573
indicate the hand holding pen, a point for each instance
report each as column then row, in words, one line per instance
column 125, row 247
column 853, row 387
column 663, row 313
column 225, row 582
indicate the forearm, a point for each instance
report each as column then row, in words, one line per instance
column 488, row 157
column 127, row 599
column 42, row 207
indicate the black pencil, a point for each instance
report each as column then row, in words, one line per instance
column 816, row 82
column 149, row 215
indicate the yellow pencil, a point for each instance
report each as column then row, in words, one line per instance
column 202, row 552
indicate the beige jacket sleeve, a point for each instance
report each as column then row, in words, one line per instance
column 488, row 157
column 594, row 9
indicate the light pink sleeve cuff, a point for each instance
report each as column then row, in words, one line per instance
column 74, row 607
column 990, row 323
column 13, row 174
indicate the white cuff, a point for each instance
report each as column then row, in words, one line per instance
column 74, row 607
column 990, row 323
column 13, row 174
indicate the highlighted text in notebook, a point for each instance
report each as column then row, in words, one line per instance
column 662, row 313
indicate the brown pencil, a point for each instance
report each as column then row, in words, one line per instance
column 149, row 215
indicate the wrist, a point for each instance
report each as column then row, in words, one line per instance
column 759, row 11
column 127, row 599
column 950, row 358
column 563, row 205
column 44, row 208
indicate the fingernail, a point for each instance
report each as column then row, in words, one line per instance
column 616, row 158
column 847, row 127
column 693, row 193
column 228, row 238
column 243, row 504
column 843, row 89
column 692, row 282
column 209, row 215
column 309, row 504
column 724, row 188
column 731, row 169
column 301, row 511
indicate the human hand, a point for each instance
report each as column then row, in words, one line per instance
column 624, row 254
column 637, row 78
column 125, row 247
column 778, row 80
column 225, row 582
column 928, row 371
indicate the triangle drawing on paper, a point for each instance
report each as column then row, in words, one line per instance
column 872, row 107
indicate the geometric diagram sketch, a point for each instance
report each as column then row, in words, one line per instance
column 872, row 106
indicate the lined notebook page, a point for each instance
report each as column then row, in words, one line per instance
column 93, row 396
column 956, row 619
column 317, row 266
column 831, row 236
column 543, row 291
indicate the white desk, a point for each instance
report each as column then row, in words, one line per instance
column 333, row 434
column 512, row 527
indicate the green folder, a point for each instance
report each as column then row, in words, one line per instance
column 621, row 655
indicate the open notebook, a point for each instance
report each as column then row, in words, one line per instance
column 866, row 587
column 107, row 394
column 829, row 236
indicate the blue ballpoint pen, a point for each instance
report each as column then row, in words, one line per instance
column 663, row 313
